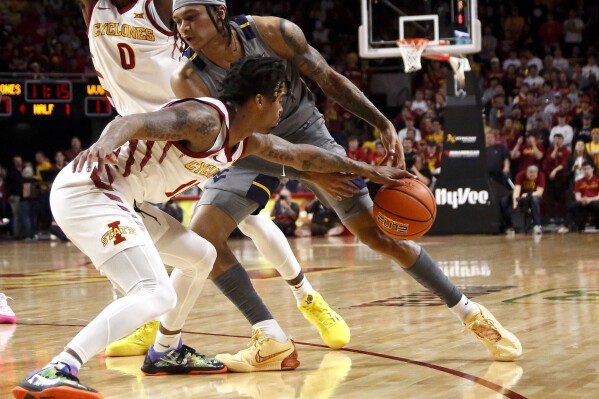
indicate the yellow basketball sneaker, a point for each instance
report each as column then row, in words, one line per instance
column 502, row 344
column 263, row 354
column 331, row 327
column 135, row 344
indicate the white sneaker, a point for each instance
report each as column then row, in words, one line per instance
column 263, row 354
column 7, row 316
column 563, row 230
column 537, row 230
column 501, row 344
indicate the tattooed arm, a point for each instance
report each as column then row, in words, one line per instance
column 289, row 42
column 193, row 123
column 311, row 158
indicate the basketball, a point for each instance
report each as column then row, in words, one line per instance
column 406, row 212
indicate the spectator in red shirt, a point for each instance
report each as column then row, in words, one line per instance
column 586, row 193
column 75, row 149
column 354, row 151
column 551, row 31
column 527, row 194
column 527, row 153
column 378, row 155
column 495, row 71
column 59, row 161
column 509, row 134
column 432, row 155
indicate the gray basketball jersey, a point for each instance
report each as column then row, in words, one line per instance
column 299, row 104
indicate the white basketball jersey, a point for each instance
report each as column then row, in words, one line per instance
column 133, row 55
column 155, row 171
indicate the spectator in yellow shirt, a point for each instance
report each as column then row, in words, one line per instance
column 593, row 146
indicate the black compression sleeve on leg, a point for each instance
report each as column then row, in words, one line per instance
column 236, row 285
column 428, row 274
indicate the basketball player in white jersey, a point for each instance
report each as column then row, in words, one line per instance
column 227, row 201
column 181, row 145
column 134, row 57
column 132, row 51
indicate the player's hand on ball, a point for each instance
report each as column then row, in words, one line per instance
column 389, row 175
column 389, row 139
column 337, row 185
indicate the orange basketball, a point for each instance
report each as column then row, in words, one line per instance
column 405, row 212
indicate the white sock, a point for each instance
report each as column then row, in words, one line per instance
column 67, row 358
column 464, row 308
column 164, row 343
column 300, row 290
column 271, row 329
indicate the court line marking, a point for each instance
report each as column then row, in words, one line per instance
column 477, row 380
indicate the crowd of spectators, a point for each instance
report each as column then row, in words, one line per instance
column 25, row 193
column 45, row 36
column 537, row 74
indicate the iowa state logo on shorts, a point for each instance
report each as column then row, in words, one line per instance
column 116, row 233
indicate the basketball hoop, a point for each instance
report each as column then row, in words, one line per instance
column 460, row 65
column 411, row 52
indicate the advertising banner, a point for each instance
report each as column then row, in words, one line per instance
column 466, row 203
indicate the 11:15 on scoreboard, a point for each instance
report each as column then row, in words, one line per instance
column 51, row 92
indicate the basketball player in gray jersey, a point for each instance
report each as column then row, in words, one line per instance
column 231, row 197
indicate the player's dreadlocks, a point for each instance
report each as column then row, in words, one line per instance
column 253, row 75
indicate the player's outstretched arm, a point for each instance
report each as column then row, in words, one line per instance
column 193, row 123
column 311, row 158
column 289, row 42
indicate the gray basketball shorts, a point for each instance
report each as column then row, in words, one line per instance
column 244, row 188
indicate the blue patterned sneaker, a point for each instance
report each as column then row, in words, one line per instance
column 184, row 360
column 56, row 381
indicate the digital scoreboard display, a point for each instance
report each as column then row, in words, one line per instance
column 27, row 99
column 48, row 92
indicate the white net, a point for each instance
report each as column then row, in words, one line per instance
column 411, row 52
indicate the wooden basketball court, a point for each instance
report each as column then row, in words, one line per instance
column 405, row 344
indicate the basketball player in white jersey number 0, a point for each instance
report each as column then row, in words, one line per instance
column 183, row 144
column 133, row 52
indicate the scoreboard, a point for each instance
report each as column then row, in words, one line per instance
column 34, row 99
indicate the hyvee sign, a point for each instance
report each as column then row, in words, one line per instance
column 465, row 198
column 461, row 196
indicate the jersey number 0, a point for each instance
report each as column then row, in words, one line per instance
column 127, row 56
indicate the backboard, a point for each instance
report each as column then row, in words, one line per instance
column 452, row 26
